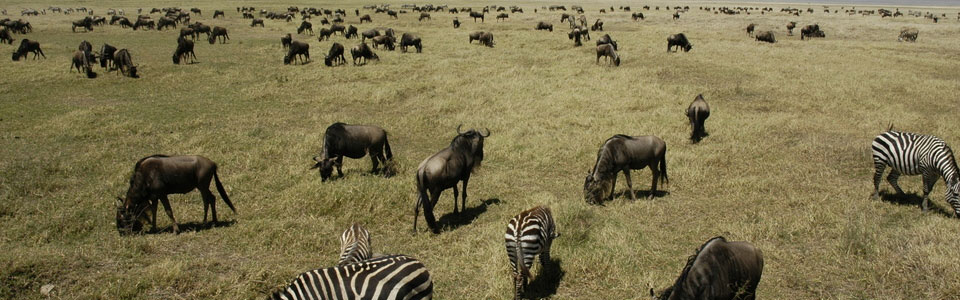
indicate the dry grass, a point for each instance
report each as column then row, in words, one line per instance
column 786, row 167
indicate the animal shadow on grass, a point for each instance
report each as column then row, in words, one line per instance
column 547, row 280
column 914, row 200
column 641, row 195
column 192, row 226
column 451, row 221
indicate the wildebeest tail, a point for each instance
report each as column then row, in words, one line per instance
column 223, row 193
column 386, row 148
column 663, row 167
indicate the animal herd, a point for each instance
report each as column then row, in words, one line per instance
column 719, row 269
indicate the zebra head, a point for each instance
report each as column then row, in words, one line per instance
column 953, row 196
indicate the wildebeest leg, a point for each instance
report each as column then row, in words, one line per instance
column 626, row 175
column 880, row 166
column 208, row 201
column 166, row 207
column 153, row 208
column 892, row 179
column 656, row 174
column 463, row 197
column 375, row 157
column 613, row 185
column 428, row 210
column 456, row 194
column 339, row 160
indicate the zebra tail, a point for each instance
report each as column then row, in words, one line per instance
column 890, row 128
column 521, row 267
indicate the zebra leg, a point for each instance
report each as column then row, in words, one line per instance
column 928, row 181
column 892, row 179
column 626, row 174
column 876, row 178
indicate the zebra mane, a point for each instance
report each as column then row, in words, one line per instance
column 689, row 265
column 952, row 165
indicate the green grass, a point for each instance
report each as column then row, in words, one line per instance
column 786, row 166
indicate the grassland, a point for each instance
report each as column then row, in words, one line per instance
column 787, row 165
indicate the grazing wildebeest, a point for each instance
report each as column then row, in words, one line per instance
column 28, row 46
column 351, row 32
column 750, row 28
column 476, row 15
column 362, row 52
column 218, row 32
column 424, row 15
column 676, row 15
column 637, row 16
column 610, row 52
column 389, row 32
column 597, row 26
column 790, row 27
column 305, row 26
column 766, row 36
column 124, row 63
column 369, row 34
column 256, row 22
column 502, row 17
column 196, row 11
column 166, row 22
column 325, row 33
column 908, row 34
column 393, row 14
column 149, row 24
column 338, row 28
column 605, row 39
column 486, row 39
column 184, row 51
column 366, row 18
column 86, row 24
column 456, row 22
column 544, row 26
column 444, row 170
column 106, row 56
column 679, row 40
column 697, row 113
column 720, row 270
column 353, row 141
column 285, row 41
column 5, row 37
column 187, row 31
column 564, row 17
column 475, row 36
column 386, row 41
column 297, row 48
column 218, row 13
column 335, row 55
column 622, row 153
column 409, row 39
column 200, row 28
column 81, row 61
column 156, row 176
column 575, row 36
column 811, row 31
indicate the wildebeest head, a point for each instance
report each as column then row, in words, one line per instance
column 471, row 142
column 595, row 189
column 325, row 166
column 128, row 221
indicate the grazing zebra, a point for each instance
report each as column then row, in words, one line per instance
column 354, row 245
column 528, row 234
column 389, row 277
column 916, row 154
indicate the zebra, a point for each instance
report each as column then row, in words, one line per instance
column 916, row 154
column 354, row 245
column 528, row 234
column 388, row 277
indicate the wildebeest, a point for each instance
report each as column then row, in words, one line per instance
column 369, row 34
column 166, row 22
column 324, row 34
column 393, row 14
column 200, row 28
column 256, row 22
column 456, row 22
column 305, row 26
column 544, row 26
column 156, row 176
column 475, row 36
column 790, row 27
column 575, row 36
column 5, row 37
column 148, row 24
column 362, row 52
column 476, row 15
column 750, row 28
column 622, row 153
column 409, row 39
column 444, row 170
column 486, row 39
column 502, row 17
column 86, row 24
column 766, row 36
column 218, row 13
column 811, row 31
column 353, row 141
column 907, row 34
column 184, row 51
column 679, row 40
column 187, row 31
column 81, row 61
column 26, row 46
column 335, row 55
column 697, row 113
column 285, row 41
column 719, row 270
column 366, row 18
column 597, row 26
column 386, row 41
column 424, row 15
column 297, row 48
column 338, row 28
column 610, row 52
column 218, row 32
column 351, row 32
column 124, row 63
column 564, row 17
column 605, row 39
column 637, row 16
column 106, row 56
column 676, row 15
column 196, row 11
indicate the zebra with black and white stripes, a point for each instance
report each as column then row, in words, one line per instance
column 528, row 234
column 383, row 278
column 916, row 154
column 354, row 245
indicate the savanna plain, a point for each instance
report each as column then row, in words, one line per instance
column 786, row 166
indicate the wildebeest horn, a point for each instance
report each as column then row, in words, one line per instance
column 315, row 159
column 458, row 129
column 488, row 132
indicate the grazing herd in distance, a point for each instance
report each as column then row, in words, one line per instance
column 717, row 270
